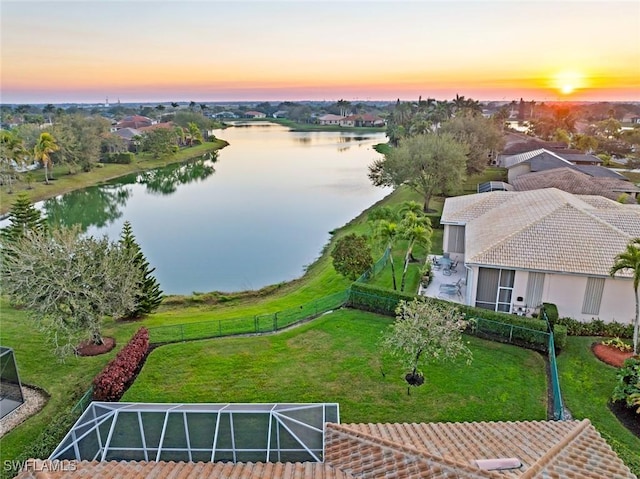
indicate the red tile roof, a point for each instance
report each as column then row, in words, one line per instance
column 545, row 449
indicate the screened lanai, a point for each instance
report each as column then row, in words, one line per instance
column 10, row 388
column 109, row 431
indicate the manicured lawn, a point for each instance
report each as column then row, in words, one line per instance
column 336, row 359
column 587, row 384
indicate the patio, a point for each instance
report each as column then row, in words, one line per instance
column 440, row 278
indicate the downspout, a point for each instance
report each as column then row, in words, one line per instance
column 468, row 282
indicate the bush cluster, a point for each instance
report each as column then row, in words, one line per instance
column 111, row 383
column 124, row 158
column 596, row 327
column 627, row 388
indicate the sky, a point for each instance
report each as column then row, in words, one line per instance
column 161, row 51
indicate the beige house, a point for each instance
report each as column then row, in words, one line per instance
column 507, row 450
column 543, row 159
column 523, row 248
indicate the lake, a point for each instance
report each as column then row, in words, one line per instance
column 256, row 215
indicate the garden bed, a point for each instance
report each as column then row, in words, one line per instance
column 610, row 354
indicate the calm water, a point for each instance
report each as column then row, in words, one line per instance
column 255, row 216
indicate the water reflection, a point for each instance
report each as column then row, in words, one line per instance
column 97, row 206
column 165, row 181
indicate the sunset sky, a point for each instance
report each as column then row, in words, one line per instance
column 160, row 51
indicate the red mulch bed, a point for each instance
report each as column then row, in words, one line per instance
column 610, row 355
column 87, row 348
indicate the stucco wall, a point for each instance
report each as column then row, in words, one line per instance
column 518, row 170
column 567, row 293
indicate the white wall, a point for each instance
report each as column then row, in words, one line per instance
column 567, row 293
column 514, row 172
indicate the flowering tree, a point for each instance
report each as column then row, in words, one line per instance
column 425, row 332
column 69, row 283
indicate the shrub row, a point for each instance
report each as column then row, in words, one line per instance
column 384, row 301
column 124, row 158
column 111, row 383
column 596, row 327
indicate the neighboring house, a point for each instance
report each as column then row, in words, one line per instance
column 224, row 114
column 578, row 182
column 135, row 122
column 330, row 119
column 543, row 159
column 130, row 136
column 255, row 114
column 466, row 450
column 362, row 120
column 523, row 248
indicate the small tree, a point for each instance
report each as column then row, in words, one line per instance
column 629, row 260
column 425, row 332
column 23, row 217
column 150, row 295
column 69, row 283
column 352, row 256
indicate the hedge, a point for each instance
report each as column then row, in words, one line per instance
column 384, row 301
column 596, row 327
column 124, row 158
column 111, row 383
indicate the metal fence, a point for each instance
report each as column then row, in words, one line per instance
column 262, row 323
column 376, row 268
column 558, row 405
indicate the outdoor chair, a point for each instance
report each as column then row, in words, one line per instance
column 451, row 289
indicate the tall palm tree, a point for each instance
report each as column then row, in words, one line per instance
column 12, row 151
column 387, row 234
column 45, row 145
column 629, row 259
column 416, row 234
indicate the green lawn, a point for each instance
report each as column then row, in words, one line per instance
column 336, row 359
column 587, row 384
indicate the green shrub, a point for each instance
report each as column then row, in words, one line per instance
column 552, row 312
column 124, row 158
column 628, row 386
column 618, row 344
column 376, row 299
column 596, row 327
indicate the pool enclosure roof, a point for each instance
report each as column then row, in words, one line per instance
column 109, row 431
column 10, row 387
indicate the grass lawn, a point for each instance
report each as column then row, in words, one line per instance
column 335, row 359
column 587, row 384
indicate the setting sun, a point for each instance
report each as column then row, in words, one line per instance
column 569, row 81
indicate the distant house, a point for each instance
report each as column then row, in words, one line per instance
column 330, row 119
column 543, row 159
column 224, row 114
column 362, row 120
column 135, row 122
column 255, row 114
column 574, row 180
column 523, row 248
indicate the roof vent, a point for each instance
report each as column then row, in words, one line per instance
column 498, row 464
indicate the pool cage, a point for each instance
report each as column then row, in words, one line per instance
column 10, row 388
column 109, row 431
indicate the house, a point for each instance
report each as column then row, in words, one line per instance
column 578, row 182
column 135, row 122
column 543, row 159
column 362, row 120
column 254, row 114
column 330, row 119
column 523, row 248
column 507, row 450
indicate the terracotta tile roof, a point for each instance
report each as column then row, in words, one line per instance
column 543, row 230
column 545, row 449
column 182, row 470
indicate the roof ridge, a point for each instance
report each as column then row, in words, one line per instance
column 552, row 453
column 406, row 449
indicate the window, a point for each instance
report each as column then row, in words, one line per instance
column 455, row 243
column 495, row 288
column 593, row 296
column 535, row 283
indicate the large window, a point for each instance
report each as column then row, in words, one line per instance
column 535, row 284
column 495, row 288
column 455, row 243
column 593, row 296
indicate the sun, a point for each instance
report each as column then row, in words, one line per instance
column 567, row 82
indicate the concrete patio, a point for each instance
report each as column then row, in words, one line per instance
column 439, row 277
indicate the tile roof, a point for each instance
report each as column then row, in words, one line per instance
column 545, row 449
column 574, row 181
column 544, row 230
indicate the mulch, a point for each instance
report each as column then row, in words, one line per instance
column 87, row 348
column 610, row 355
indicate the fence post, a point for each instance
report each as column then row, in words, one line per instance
column 275, row 321
column 511, row 334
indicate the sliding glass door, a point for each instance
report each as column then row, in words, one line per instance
column 495, row 288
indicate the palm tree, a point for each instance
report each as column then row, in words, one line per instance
column 45, row 145
column 12, row 151
column 629, row 259
column 416, row 229
column 387, row 234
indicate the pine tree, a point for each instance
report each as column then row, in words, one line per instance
column 22, row 218
column 150, row 296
